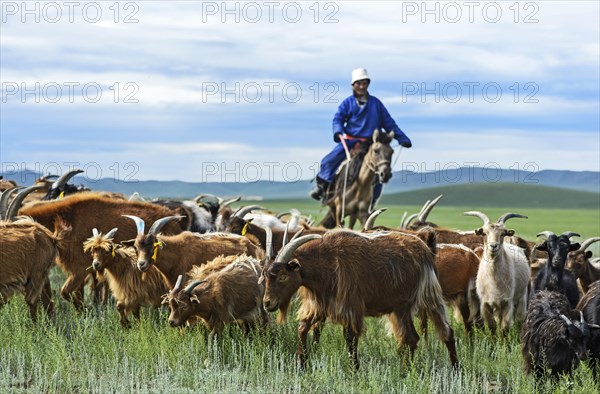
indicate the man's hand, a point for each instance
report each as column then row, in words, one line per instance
column 337, row 137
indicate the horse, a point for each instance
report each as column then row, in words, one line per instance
column 370, row 163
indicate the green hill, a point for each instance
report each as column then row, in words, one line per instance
column 499, row 195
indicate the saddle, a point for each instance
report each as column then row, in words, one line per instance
column 357, row 154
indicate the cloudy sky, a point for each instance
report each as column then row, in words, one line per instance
column 240, row 91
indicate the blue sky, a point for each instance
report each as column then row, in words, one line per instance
column 487, row 83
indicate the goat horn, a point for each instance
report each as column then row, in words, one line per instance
column 286, row 252
column 586, row 244
column 139, row 223
column 4, row 197
column 177, row 284
column 95, row 232
column 230, row 201
column 510, row 215
column 409, row 219
column 546, row 234
column 201, row 196
column 480, row 215
column 581, row 319
column 282, row 214
column 570, row 234
column 424, row 207
column 425, row 213
column 298, row 234
column 268, row 242
column 372, row 217
column 64, row 178
column 193, row 285
column 14, row 206
column 285, row 234
column 160, row 223
column 402, row 219
column 566, row 319
column 111, row 233
column 244, row 210
column 47, row 177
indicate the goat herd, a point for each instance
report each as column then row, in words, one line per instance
column 217, row 266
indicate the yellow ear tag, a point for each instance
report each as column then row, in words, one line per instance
column 155, row 251
column 61, row 195
column 245, row 229
column 113, row 251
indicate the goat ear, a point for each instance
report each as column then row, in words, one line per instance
column 510, row 233
column 194, row 299
column 543, row 247
column 479, row 231
column 574, row 246
column 293, row 265
column 588, row 254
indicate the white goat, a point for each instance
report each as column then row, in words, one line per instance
column 503, row 275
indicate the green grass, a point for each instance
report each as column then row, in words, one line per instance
column 90, row 352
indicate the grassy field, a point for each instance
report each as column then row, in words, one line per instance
column 90, row 353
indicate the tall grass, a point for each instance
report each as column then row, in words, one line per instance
column 89, row 352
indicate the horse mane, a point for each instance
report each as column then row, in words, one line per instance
column 360, row 150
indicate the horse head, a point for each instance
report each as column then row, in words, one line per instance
column 379, row 157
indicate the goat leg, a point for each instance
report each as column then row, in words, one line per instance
column 352, row 343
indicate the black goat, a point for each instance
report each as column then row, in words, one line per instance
column 554, row 336
column 589, row 305
column 554, row 276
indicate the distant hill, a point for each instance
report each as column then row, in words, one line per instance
column 499, row 195
column 401, row 181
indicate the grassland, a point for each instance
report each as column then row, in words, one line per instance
column 90, row 353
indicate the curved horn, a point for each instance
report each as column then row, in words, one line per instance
column 111, row 233
column 509, row 215
column 47, row 177
column 285, row 234
column 268, row 242
column 402, row 219
column 372, row 217
column 425, row 213
column 201, row 196
column 570, row 234
column 586, row 244
column 282, row 214
column 193, row 285
column 546, row 234
column 139, row 223
column 244, row 210
column 480, row 215
column 95, row 232
column 226, row 203
column 177, row 284
column 298, row 233
column 64, row 178
column 4, row 197
column 160, row 223
column 409, row 219
column 566, row 319
column 424, row 207
column 286, row 252
column 14, row 206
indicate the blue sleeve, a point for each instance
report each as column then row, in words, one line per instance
column 390, row 125
column 339, row 119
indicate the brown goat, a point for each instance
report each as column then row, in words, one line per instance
column 220, row 296
column 130, row 287
column 346, row 276
column 82, row 212
column 456, row 269
column 27, row 251
column 578, row 262
column 175, row 255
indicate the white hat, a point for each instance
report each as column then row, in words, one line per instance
column 359, row 74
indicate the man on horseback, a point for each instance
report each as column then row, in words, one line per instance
column 357, row 117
